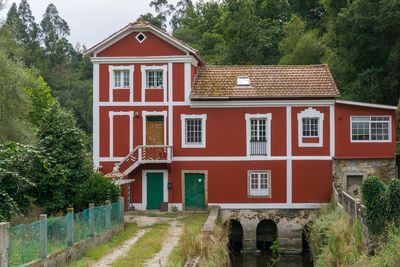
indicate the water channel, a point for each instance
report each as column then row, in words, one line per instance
column 267, row 259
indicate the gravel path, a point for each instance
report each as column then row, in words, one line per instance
column 170, row 241
column 120, row 251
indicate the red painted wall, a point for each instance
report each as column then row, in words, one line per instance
column 226, row 131
column 312, row 181
column 121, row 135
column 346, row 149
column 154, row 95
column 310, row 151
column 121, row 95
column 151, row 46
column 178, row 76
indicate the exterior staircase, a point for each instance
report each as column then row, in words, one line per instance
column 142, row 155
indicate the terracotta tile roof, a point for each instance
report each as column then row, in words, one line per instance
column 265, row 81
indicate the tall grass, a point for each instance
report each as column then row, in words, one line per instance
column 335, row 241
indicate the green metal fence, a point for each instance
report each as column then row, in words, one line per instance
column 29, row 242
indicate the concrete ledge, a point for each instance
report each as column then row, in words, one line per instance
column 211, row 220
column 74, row 253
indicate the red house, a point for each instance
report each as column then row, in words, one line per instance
column 241, row 137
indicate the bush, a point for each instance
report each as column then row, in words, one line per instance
column 373, row 198
column 388, row 252
column 97, row 189
column 392, row 199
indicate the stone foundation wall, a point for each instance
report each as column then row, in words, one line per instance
column 289, row 224
column 383, row 168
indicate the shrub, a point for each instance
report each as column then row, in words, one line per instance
column 97, row 189
column 373, row 198
column 388, row 252
column 392, row 199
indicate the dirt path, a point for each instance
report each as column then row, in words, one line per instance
column 120, row 251
column 170, row 241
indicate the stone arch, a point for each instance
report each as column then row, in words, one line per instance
column 235, row 234
column 266, row 233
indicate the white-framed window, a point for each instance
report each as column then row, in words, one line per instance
column 121, row 77
column 154, row 79
column 140, row 37
column 259, row 183
column 310, row 125
column 371, row 128
column 193, row 131
column 258, row 134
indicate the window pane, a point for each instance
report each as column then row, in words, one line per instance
column 126, row 78
column 193, row 131
column 117, row 79
column 310, row 127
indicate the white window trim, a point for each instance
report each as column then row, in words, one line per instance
column 249, row 191
column 154, row 113
column 248, row 117
column 145, row 37
column 111, row 70
column 144, row 186
column 111, row 115
column 372, row 141
column 310, row 113
column 203, row 118
column 144, row 69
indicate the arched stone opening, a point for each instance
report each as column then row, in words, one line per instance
column 266, row 233
column 235, row 235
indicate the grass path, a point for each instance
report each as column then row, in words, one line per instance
column 170, row 242
column 120, row 251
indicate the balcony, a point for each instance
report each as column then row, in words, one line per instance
column 143, row 155
column 258, row 147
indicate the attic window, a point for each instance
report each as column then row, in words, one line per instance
column 243, row 81
column 140, row 37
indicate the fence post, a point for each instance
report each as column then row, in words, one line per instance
column 43, row 236
column 91, row 219
column 108, row 214
column 4, row 243
column 121, row 209
column 70, row 227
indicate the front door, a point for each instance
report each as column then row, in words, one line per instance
column 194, row 191
column 154, row 130
column 155, row 190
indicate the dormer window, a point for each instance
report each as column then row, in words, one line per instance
column 243, row 81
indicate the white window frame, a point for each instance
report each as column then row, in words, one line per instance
column 111, row 70
column 203, row 118
column 259, row 192
column 249, row 117
column 310, row 113
column 372, row 141
column 144, row 69
column 154, row 113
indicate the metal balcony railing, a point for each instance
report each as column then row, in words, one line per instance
column 258, row 147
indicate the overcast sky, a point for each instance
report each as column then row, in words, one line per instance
column 91, row 21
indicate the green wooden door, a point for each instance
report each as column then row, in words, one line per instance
column 194, row 191
column 155, row 190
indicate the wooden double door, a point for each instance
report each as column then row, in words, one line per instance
column 155, row 130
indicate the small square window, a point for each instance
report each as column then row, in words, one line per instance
column 154, row 79
column 259, row 183
column 193, row 130
column 121, row 79
column 310, row 127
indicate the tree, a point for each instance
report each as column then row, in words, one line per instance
column 298, row 46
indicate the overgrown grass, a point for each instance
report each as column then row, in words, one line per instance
column 146, row 247
column 334, row 240
column 97, row 252
column 212, row 249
